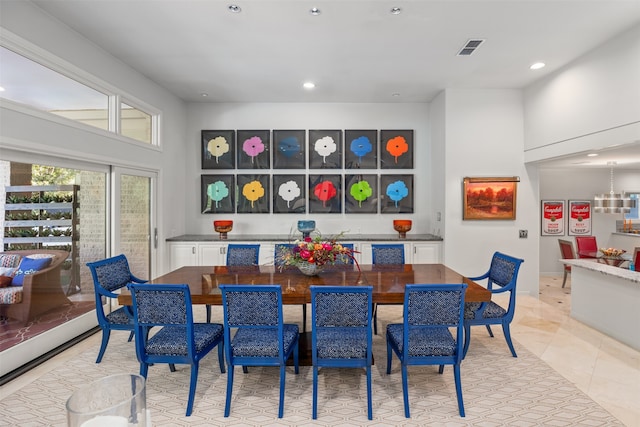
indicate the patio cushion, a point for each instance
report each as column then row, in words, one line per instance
column 29, row 266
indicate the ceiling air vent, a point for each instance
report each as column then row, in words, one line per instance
column 470, row 47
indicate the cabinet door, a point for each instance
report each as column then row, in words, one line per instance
column 212, row 254
column 183, row 254
column 427, row 253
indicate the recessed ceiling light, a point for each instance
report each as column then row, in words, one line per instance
column 396, row 94
column 1, row 89
column 308, row 85
column 314, row 11
column 537, row 66
column 204, row 95
column 234, row 8
column 395, row 11
column 592, row 155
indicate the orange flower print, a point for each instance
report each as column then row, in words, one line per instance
column 397, row 146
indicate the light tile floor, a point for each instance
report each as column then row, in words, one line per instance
column 603, row 368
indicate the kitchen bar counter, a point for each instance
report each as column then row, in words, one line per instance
column 231, row 237
column 607, row 298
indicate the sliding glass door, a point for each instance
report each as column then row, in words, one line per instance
column 135, row 219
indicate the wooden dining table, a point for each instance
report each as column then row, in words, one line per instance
column 388, row 282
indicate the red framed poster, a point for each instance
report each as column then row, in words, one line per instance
column 579, row 217
column 553, row 218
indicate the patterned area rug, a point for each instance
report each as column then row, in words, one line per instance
column 13, row 332
column 498, row 390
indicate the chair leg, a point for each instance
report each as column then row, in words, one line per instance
column 245, row 370
column 564, row 279
column 314, row 411
column 103, row 345
column 369, row 405
column 389, row 354
column 304, row 318
column 131, row 335
column 144, row 369
column 441, row 369
column 456, row 374
column 507, row 336
column 375, row 319
column 192, row 387
column 227, row 405
column 172, row 367
column 283, row 373
column 489, row 330
column 208, row 308
column 221, row 356
column 405, row 391
column 467, row 339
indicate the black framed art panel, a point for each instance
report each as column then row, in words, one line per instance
column 218, row 149
column 217, row 194
column 254, row 149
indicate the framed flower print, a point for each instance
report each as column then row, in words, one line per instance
column 289, row 149
column 217, row 194
column 254, row 149
column 396, row 149
column 361, row 193
column 396, row 193
column 325, row 149
column 325, row 194
column 253, row 194
column 218, row 149
column 360, row 149
column 289, row 194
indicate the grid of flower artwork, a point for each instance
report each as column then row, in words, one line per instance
column 341, row 171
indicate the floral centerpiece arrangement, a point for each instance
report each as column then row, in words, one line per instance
column 312, row 253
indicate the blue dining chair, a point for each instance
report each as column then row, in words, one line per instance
column 344, row 259
column 110, row 275
column 424, row 337
column 261, row 337
column 385, row 255
column 242, row 255
column 239, row 255
column 179, row 340
column 501, row 277
column 341, row 332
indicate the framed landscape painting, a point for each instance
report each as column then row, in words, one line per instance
column 218, row 149
column 491, row 198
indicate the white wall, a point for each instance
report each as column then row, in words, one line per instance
column 310, row 116
column 594, row 102
column 27, row 25
column 484, row 137
column 581, row 184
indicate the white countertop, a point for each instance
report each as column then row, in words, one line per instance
column 609, row 270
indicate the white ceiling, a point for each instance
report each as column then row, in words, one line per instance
column 355, row 51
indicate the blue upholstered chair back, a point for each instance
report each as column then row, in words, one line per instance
column 387, row 254
column 343, row 259
column 242, row 255
column 433, row 306
column 341, row 332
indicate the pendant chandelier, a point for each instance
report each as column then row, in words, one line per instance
column 613, row 202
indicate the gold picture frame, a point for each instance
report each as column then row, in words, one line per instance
column 490, row 198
